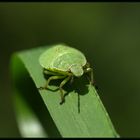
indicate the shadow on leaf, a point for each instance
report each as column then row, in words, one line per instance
column 79, row 86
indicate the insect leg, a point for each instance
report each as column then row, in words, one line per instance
column 72, row 77
column 55, row 78
column 92, row 81
column 60, row 87
column 52, row 78
column 91, row 74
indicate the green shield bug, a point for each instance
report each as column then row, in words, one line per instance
column 64, row 62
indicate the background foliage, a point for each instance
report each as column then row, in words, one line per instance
column 108, row 34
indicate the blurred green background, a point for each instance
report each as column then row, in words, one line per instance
column 107, row 33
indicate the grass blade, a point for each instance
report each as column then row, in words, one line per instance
column 82, row 114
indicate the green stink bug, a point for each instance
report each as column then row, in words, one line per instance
column 64, row 62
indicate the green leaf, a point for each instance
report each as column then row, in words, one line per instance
column 82, row 114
